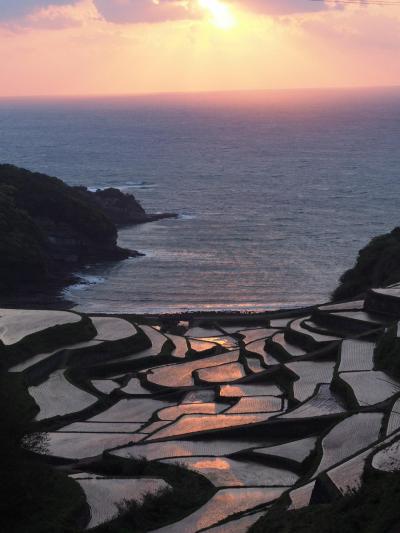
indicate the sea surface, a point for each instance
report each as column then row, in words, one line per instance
column 276, row 192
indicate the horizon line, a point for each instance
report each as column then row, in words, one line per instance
column 193, row 92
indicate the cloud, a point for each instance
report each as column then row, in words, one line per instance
column 16, row 9
column 153, row 11
column 283, row 7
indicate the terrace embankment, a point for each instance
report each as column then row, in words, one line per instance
column 269, row 416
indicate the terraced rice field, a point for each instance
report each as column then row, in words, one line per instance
column 132, row 410
column 105, row 494
column 301, row 496
column 288, row 348
column 257, row 404
column 251, row 335
column 181, row 375
column 258, row 347
column 181, row 346
column 323, row 403
column 243, row 389
column 349, row 437
column 310, row 374
column 221, row 373
column 57, row 397
column 186, row 448
column 297, row 326
column 224, row 472
column 394, row 418
column 238, row 525
column 197, row 424
column 106, row 386
column 387, row 459
column 83, row 445
column 172, row 413
column 112, row 329
column 254, row 365
column 225, row 503
column 17, row 324
column 348, row 475
column 297, row 450
column 256, row 422
column 135, row 388
column 356, row 355
column 372, row 387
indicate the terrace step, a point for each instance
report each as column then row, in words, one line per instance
column 348, row 475
column 310, row 374
column 237, row 525
column 258, row 347
column 322, row 403
column 222, row 505
column 308, row 340
column 370, row 387
column 181, row 375
column 279, row 346
column 57, row 396
column 348, row 437
column 25, row 334
column 353, row 322
column 228, row 472
column 356, row 355
column 311, row 326
column 104, row 495
column 294, row 451
column 251, row 335
column 386, row 301
column 354, row 305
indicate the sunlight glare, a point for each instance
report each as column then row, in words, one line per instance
column 221, row 14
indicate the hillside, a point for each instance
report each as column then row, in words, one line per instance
column 49, row 230
column 218, row 423
column 377, row 265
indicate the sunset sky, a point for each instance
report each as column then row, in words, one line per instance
column 62, row 47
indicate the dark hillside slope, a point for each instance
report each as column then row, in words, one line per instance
column 377, row 265
column 47, row 227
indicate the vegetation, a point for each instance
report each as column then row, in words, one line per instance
column 22, row 243
column 46, row 226
column 373, row 509
column 387, row 353
column 377, row 265
column 190, row 491
column 35, row 497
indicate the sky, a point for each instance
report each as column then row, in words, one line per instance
column 98, row 47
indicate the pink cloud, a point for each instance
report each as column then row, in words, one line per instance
column 153, row 11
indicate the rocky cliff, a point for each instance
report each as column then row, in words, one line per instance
column 49, row 230
column 377, row 265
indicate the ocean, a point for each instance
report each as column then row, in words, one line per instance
column 276, row 192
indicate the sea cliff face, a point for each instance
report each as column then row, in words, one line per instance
column 48, row 229
column 123, row 209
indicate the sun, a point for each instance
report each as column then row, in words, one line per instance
column 221, row 14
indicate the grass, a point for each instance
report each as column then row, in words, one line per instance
column 375, row 508
column 35, row 497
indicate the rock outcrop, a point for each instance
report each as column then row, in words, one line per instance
column 377, row 265
column 123, row 209
column 48, row 229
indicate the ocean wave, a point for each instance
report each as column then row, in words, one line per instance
column 125, row 186
column 186, row 216
column 85, row 281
